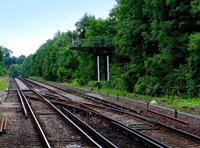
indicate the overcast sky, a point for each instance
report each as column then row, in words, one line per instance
column 26, row 24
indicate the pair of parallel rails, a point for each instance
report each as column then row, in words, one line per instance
column 45, row 142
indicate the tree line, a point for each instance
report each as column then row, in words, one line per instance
column 157, row 49
column 8, row 62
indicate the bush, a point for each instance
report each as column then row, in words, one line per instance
column 83, row 81
column 3, row 72
column 93, row 83
column 15, row 70
column 147, row 85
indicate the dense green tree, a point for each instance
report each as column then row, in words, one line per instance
column 2, row 70
column 1, row 56
column 21, row 59
column 6, row 51
column 156, row 48
column 15, row 70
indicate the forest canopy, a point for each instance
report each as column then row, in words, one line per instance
column 157, row 48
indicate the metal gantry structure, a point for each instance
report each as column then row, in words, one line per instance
column 103, row 46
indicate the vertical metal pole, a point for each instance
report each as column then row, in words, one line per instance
column 176, row 113
column 98, row 70
column 108, row 76
column 72, row 39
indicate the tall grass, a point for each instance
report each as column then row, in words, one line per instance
column 37, row 78
column 3, row 82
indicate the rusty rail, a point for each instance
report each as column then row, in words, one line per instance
column 5, row 128
column 2, row 124
column 167, row 117
column 40, row 130
column 23, row 106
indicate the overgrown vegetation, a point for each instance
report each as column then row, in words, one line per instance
column 157, row 49
column 2, row 69
column 10, row 63
column 3, row 82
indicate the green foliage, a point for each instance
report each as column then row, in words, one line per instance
column 93, row 83
column 53, row 60
column 6, row 51
column 21, row 59
column 7, row 59
column 147, row 85
column 3, row 82
column 37, row 78
column 2, row 70
column 15, row 70
column 157, row 47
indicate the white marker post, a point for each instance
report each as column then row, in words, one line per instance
column 98, row 69
column 108, row 76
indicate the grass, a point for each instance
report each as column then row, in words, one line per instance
column 37, row 78
column 3, row 82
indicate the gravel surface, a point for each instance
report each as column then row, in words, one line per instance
column 21, row 131
column 57, row 131
column 103, row 127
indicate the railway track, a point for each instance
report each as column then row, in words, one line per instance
column 49, row 124
column 21, row 132
column 121, row 139
column 79, row 97
column 156, row 130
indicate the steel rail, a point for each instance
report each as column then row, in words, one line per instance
column 2, row 125
column 68, row 120
column 5, row 126
column 143, row 138
column 28, row 85
column 88, row 97
column 106, row 142
column 25, row 81
column 132, row 132
column 105, row 102
column 151, row 121
column 159, row 123
column 41, row 132
column 167, row 117
column 179, row 131
column 23, row 106
column 84, row 105
column 119, row 111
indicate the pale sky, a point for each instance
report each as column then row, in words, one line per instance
column 27, row 24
